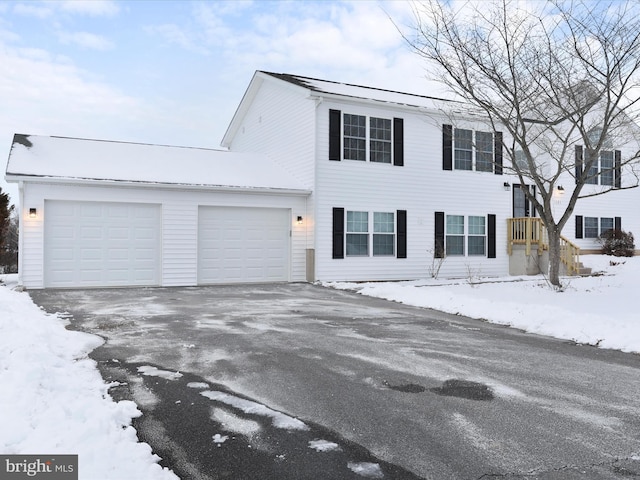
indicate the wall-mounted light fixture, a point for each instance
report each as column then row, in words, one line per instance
column 561, row 188
column 507, row 186
column 33, row 213
column 299, row 220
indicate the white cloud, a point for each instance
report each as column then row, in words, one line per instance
column 40, row 10
column 85, row 40
column 176, row 35
column 94, row 8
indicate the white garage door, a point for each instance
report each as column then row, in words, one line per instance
column 94, row 244
column 238, row 245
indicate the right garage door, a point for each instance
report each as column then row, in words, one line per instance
column 243, row 245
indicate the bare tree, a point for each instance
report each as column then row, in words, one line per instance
column 555, row 78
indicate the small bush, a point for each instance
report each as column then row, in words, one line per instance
column 618, row 243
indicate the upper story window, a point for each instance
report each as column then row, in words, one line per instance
column 601, row 172
column 380, row 140
column 366, row 138
column 355, row 137
column 606, row 169
column 464, row 149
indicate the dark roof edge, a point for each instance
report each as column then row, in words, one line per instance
column 299, row 80
column 23, row 139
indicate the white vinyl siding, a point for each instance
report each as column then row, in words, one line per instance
column 420, row 187
column 178, row 228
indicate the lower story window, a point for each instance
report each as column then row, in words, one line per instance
column 455, row 235
column 383, row 233
column 594, row 226
column 477, row 235
column 357, row 234
column 606, row 224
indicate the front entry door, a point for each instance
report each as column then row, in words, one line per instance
column 521, row 205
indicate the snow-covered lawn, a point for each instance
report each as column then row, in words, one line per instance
column 599, row 310
column 53, row 400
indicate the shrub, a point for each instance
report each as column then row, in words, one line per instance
column 617, row 243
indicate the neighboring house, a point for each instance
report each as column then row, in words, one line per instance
column 323, row 181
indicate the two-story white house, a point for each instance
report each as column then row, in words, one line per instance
column 321, row 181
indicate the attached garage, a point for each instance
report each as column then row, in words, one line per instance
column 89, row 244
column 111, row 214
column 243, row 245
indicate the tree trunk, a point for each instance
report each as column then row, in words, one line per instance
column 554, row 256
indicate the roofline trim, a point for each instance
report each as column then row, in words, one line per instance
column 45, row 179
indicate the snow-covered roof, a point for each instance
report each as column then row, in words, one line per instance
column 342, row 91
column 363, row 92
column 74, row 159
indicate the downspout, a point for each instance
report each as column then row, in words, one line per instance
column 20, row 230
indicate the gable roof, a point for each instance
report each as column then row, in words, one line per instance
column 63, row 159
column 330, row 89
column 362, row 92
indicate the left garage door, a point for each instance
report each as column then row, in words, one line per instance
column 95, row 244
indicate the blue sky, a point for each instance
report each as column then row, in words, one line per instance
column 173, row 72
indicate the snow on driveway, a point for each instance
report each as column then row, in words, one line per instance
column 53, row 400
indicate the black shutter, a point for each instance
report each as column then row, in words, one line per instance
column 497, row 154
column 491, row 236
column 578, row 226
column 338, row 233
column 578, row 171
column 439, row 251
column 447, row 147
column 401, row 227
column 398, row 142
column 334, row 134
column 617, row 172
column 617, row 223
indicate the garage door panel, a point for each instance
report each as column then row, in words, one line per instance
column 243, row 244
column 101, row 244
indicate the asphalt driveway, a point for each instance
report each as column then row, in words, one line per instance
column 297, row 381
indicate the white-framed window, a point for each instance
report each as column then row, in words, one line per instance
column 359, row 236
column 595, row 227
column 484, row 151
column 602, row 170
column 454, row 236
column 606, row 224
column 462, row 149
column 380, row 140
column 474, row 237
column 355, row 137
column 470, row 155
column 367, row 138
column 476, row 241
column 606, row 167
column 590, row 227
column 384, row 226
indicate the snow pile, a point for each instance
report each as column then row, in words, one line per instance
column 597, row 310
column 53, row 399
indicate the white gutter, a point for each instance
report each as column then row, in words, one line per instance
column 97, row 182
